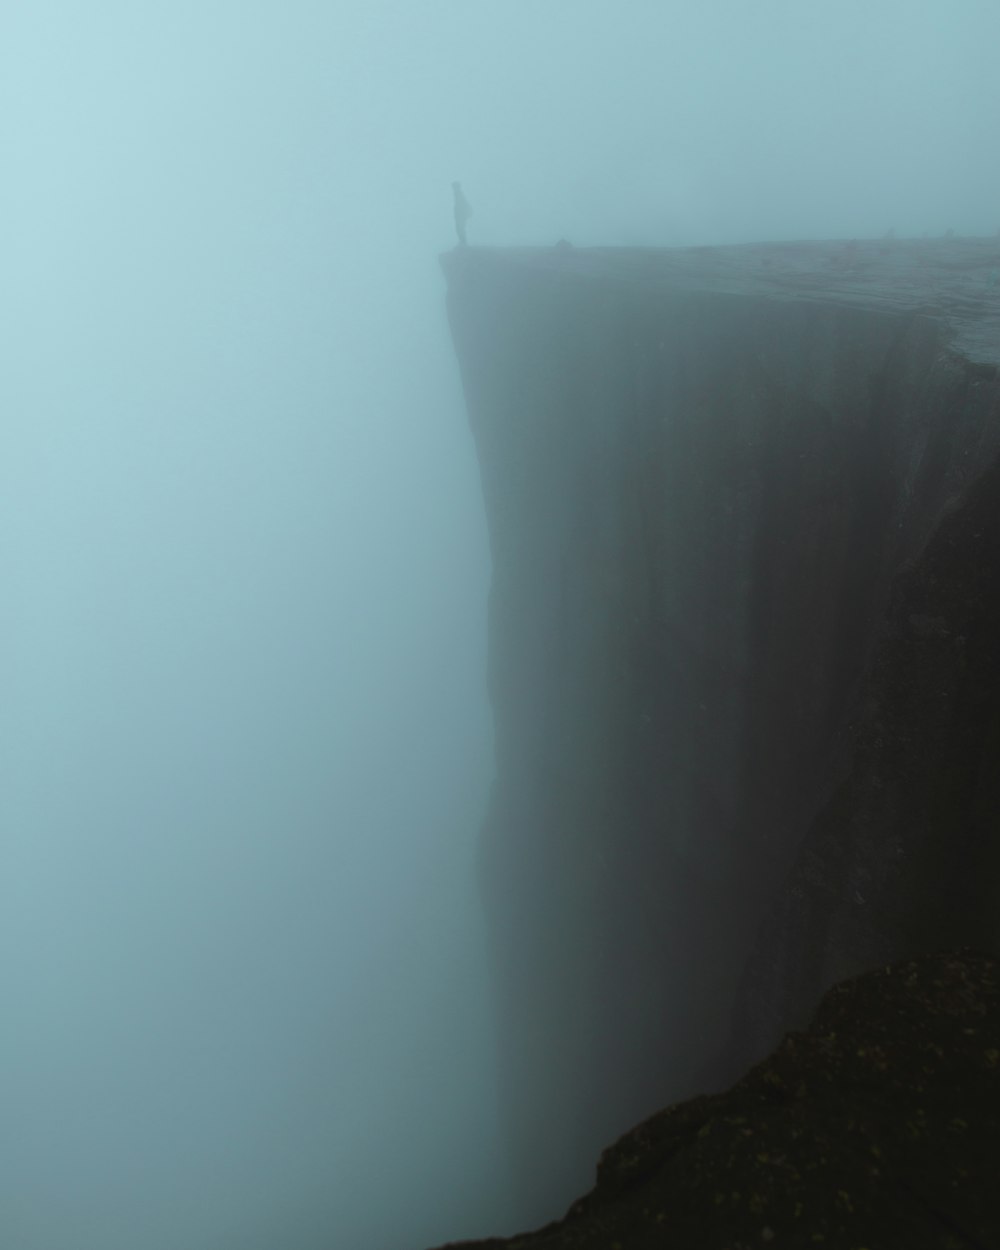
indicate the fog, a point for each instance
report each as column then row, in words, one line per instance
column 245, row 740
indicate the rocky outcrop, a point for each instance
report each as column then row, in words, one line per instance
column 879, row 1126
column 745, row 529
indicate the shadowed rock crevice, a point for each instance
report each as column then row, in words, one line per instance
column 906, row 855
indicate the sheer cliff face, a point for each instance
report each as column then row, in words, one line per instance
column 744, row 531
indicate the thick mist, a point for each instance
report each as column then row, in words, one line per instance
column 245, row 741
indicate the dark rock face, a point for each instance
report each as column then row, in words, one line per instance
column 878, row 1127
column 745, row 524
column 906, row 852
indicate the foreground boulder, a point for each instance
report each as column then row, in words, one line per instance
column 878, row 1127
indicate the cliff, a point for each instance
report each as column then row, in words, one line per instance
column 744, row 511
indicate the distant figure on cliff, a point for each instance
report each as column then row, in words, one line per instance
column 463, row 211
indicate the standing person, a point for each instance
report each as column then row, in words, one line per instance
column 463, row 211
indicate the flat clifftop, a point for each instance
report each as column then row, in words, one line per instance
column 956, row 280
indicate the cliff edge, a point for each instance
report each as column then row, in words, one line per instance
column 744, row 512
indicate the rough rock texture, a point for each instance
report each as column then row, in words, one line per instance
column 745, row 523
column 877, row 1128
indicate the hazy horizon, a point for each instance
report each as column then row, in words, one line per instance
column 246, row 743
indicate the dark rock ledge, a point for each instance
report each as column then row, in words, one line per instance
column 876, row 1128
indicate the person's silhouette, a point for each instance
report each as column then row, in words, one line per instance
column 463, row 211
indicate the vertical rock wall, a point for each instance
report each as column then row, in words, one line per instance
column 737, row 540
